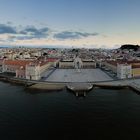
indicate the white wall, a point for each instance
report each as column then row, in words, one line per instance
column 32, row 72
column 124, row 71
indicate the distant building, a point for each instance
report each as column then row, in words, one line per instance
column 89, row 64
column 70, row 63
column 66, row 64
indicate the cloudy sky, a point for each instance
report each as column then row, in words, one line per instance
column 79, row 23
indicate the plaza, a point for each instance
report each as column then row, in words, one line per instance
column 73, row 75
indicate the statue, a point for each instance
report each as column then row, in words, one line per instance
column 78, row 63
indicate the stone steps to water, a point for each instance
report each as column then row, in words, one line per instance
column 80, row 88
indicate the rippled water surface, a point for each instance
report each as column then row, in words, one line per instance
column 102, row 114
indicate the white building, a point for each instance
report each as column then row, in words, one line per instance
column 32, row 72
column 124, row 71
column 26, row 56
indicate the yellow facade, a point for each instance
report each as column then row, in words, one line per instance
column 66, row 64
column 136, row 72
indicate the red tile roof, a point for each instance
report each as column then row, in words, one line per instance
column 17, row 62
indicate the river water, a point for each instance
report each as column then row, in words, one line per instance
column 102, row 114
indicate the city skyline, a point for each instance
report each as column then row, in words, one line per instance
column 78, row 23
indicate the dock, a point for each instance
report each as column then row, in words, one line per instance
column 135, row 86
column 80, row 88
column 47, row 86
column 129, row 83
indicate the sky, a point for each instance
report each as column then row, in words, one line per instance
column 69, row 23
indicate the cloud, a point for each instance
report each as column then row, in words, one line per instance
column 25, row 33
column 9, row 23
column 33, row 35
column 20, row 32
column 2, row 40
column 7, row 29
column 25, row 37
column 33, row 32
column 73, row 35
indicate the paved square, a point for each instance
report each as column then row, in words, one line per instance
column 72, row 75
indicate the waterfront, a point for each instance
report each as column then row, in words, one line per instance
column 103, row 113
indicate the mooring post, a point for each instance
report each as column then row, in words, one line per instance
column 84, row 93
column 77, row 94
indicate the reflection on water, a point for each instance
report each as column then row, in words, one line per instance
column 103, row 113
